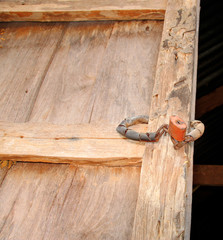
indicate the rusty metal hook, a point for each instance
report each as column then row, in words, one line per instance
column 176, row 129
column 131, row 134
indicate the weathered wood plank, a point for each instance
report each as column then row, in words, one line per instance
column 103, row 72
column 66, row 93
column 110, row 152
column 49, row 201
column 81, row 10
column 25, row 53
column 76, row 144
column 163, row 193
column 189, row 181
column 89, row 210
column 3, row 173
column 209, row 175
column 55, row 131
column 126, row 78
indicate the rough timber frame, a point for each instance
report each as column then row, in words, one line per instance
column 82, row 10
column 165, row 193
column 164, row 201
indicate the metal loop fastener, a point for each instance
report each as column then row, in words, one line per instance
column 131, row 134
column 176, row 129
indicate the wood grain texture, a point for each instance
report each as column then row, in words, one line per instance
column 56, row 131
column 48, row 201
column 126, row 78
column 26, row 49
column 189, row 181
column 65, row 95
column 110, row 152
column 162, row 206
column 81, row 10
column 75, row 144
column 102, row 72
column 3, row 173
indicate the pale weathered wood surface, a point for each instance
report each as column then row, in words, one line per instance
column 126, row 78
column 66, row 93
column 110, row 152
column 162, row 206
column 76, row 144
column 55, row 131
column 189, row 179
column 81, row 10
column 96, row 75
column 3, row 173
column 102, row 72
column 25, row 52
column 48, row 201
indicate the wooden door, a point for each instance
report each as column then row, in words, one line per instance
column 65, row 86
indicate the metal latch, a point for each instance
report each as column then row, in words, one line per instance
column 176, row 129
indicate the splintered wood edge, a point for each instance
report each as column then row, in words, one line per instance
column 77, row 11
column 84, row 144
column 164, row 202
column 189, row 180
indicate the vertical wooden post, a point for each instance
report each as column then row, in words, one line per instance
column 164, row 201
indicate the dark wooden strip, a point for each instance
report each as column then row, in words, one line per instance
column 210, row 175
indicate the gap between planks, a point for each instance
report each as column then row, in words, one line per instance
column 42, row 78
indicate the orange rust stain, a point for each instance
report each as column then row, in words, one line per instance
column 33, row 28
column 14, row 16
column 5, row 17
column 23, row 14
column 94, row 15
column 57, row 16
column 2, row 39
column 22, row 31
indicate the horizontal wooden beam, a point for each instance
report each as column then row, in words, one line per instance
column 209, row 175
column 76, row 144
column 56, row 131
column 82, row 10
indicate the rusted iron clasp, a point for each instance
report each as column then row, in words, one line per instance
column 176, row 129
